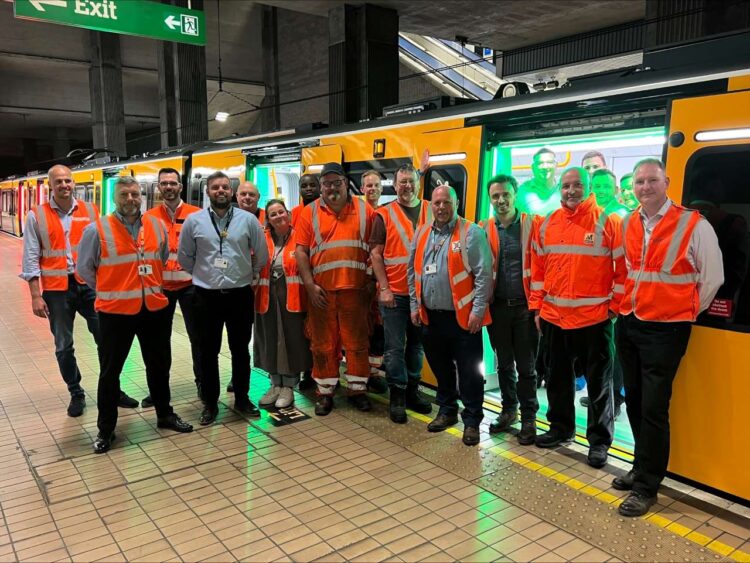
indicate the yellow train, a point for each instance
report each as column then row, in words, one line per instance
column 700, row 125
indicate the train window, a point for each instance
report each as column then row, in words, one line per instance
column 717, row 184
column 453, row 175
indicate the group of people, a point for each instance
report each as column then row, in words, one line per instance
column 318, row 280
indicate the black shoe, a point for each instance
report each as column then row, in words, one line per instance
column 324, row 405
column 597, row 457
column 230, row 387
column 247, row 408
column 527, row 434
column 414, row 399
column 307, row 383
column 471, row 436
column 637, row 504
column 126, row 402
column 503, row 422
column 208, row 415
column 584, row 401
column 76, row 406
column 103, row 443
column 552, row 438
column 360, row 402
column 397, row 407
column 147, row 402
column 624, row 482
column 377, row 384
column 174, row 422
column 441, row 422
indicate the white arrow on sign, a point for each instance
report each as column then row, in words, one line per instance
column 39, row 4
column 171, row 22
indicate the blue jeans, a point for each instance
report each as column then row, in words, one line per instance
column 63, row 306
column 403, row 354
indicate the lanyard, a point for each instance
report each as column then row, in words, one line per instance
column 222, row 234
column 281, row 247
column 432, row 254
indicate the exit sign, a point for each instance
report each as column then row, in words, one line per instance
column 128, row 17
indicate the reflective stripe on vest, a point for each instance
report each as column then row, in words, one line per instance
column 399, row 234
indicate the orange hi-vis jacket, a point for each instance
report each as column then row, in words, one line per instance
column 527, row 227
column 130, row 272
column 399, row 233
column 662, row 284
column 338, row 243
column 53, row 262
column 296, row 213
column 459, row 273
column 296, row 297
column 577, row 266
column 175, row 277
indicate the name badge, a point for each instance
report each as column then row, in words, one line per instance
column 430, row 269
column 221, row 263
column 145, row 269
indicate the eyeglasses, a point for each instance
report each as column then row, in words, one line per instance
column 333, row 184
column 166, row 184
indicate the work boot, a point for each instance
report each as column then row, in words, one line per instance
column 442, row 422
column 504, row 421
column 324, row 405
column 527, row 434
column 414, row 399
column 552, row 438
column 376, row 383
column 471, row 436
column 76, row 406
column 361, row 402
column 397, row 408
column 624, row 482
column 597, row 457
column 637, row 504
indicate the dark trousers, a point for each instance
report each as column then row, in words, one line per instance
column 404, row 355
column 515, row 339
column 454, row 355
column 117, row 334
column 63, row 306
column 215, row 308
column 650, row 353
column 186, row 298
column 593, row 347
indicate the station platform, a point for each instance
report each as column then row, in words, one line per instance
column 349, row 486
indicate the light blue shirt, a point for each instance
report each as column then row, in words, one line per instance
column 244, row 249
column 32, row 246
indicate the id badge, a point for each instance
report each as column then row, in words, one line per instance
column 430, row 269
column 145, row 269
column 221, row 263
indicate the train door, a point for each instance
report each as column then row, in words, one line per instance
column 313, row 158
column 707, row 158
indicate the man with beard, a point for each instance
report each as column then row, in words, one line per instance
column 309, row 191
column 247, row 200
column 122, row 256
column 223, row 248
column 540, row 195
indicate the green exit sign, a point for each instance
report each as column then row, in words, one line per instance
column 129, row 17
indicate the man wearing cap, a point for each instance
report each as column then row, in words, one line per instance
column 332, row 254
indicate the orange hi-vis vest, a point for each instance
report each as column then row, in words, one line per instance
column 662, row 284
column 527, row 226
column 577, row 266
column 399, row 233
column 175, row 277
column 339, row 250
column 459, row 273
column 296, row 297
column 53, row 261
column 130, row 272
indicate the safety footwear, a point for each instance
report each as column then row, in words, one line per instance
column 324, row 405
column 397, row 407
column 285, row 398
column 209, row 414
column 597, row 457
column 624, row 482
column 504, row 421
column 76, row 406
column 126, row 402
column 270, row 397
column 361, row 402
column 637, row 504
column 174, row 422
column 103, row 442
column 527, row 434
column 552, row 438
column 441, row 422
column 584, row 401
column 471, row 436
column 246, row 407
column 230, row 387
column 377, row 384
column 147, row 402
column 414, row 399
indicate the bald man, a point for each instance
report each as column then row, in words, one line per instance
column 50, row 251
column 248, row 197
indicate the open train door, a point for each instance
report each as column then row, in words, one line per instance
column 707, row 153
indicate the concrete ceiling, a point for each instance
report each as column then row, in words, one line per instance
column 499, row 24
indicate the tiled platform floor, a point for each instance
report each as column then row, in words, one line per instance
column 349, row 486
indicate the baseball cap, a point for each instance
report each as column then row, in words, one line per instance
column 332, row 168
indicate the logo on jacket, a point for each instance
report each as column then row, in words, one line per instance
column 588, row 238
column 456, row 246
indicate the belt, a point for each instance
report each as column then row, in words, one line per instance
column 514, row 302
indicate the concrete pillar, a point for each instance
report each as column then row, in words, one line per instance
column 362, row 61
column 105, row 87
column 270, row 118
column 60, row 142
column 183, row 104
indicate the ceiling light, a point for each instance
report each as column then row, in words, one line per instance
column 221, row 116
column 722, row 135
